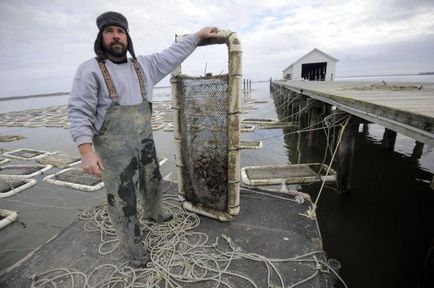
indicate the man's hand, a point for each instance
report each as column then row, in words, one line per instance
column 90, row 162
column 207, row 32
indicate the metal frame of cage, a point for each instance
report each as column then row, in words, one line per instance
column 233, row 119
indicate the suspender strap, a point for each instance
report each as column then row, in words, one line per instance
column 108, row 82
column 140, row 77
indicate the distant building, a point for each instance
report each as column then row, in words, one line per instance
column 315, row 66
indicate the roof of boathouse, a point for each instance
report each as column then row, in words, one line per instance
column 315, row 50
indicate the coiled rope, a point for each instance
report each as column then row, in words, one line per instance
column 178, row 256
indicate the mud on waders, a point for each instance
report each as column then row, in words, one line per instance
column 126, row 147
column 207, row 135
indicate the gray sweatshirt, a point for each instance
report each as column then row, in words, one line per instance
column 90, row 98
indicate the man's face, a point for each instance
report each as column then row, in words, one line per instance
column 115, row 41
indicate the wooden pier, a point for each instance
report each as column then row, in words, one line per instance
column 405, row 108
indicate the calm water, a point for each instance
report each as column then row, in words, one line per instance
column 380, row 231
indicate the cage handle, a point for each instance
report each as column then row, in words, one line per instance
column 222, row 38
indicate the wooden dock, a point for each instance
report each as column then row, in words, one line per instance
column 405, row 108
column 72, row 256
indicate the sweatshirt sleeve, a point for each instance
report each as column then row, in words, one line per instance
column 159, row 65
column 82, row 106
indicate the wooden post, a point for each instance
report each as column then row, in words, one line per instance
column 314, row 118
column 432, row 183
column 365, row 129
column 417, row 150
column 303, row 114
column 389, row 139
column 345, row 156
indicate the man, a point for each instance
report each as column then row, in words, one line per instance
column 110, row 110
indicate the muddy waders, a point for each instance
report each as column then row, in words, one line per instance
column 126, row 147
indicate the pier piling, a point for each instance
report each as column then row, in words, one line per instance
column 314, row 119
column 389, row 139
column 417, row 150
column 345, row 155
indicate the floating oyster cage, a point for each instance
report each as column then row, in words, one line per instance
column 257, row 121
column 59, row 160
column 275, row 125
column 207, row 135
column 169, row 127
column 4, row 160
column 25, row 154
column 10, row 186
column 158, row 126
column 259, row 101
column 75, row 178
column 10, row 138
column 288, row 174
column 23, row 171
column 247, row 128
column 247, row 144
column 7, row 217
column 249, row 107
column 162, row 160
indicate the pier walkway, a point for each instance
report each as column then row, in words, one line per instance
column 405, row 108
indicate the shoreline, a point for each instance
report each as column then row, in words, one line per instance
column 33, row 96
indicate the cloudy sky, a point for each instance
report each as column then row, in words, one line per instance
column 43, row 42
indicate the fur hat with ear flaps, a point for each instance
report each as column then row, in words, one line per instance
column 109, row 19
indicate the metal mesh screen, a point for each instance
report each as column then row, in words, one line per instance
column 203, row 103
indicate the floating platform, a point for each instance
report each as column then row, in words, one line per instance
column 288, row 174
column 249, row 107
column 169, row 127
column 75, row 178
column 7, row 217
column 11, row 186
column 244, row 144
column 275, row 125
column 156, row 127
column 23, row 171
column 247, row 128
column 270, row 234
column 4, row 160
column 10, row 138
column 257, row 121
column 25, row 154
column 59, row 159
column 162, row 161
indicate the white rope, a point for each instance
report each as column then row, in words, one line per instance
column 178, row 256
column 311, row 213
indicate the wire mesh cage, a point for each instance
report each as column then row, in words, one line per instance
column 207, row 135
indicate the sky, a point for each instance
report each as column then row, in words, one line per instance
column 43, row 42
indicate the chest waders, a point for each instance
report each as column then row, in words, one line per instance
column 126, row 147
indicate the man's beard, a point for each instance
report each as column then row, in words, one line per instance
column 117, row 51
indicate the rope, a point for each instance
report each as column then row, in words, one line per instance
column 311, row 213
column 178, row 255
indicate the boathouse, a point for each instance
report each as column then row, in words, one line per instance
column 314, row 66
